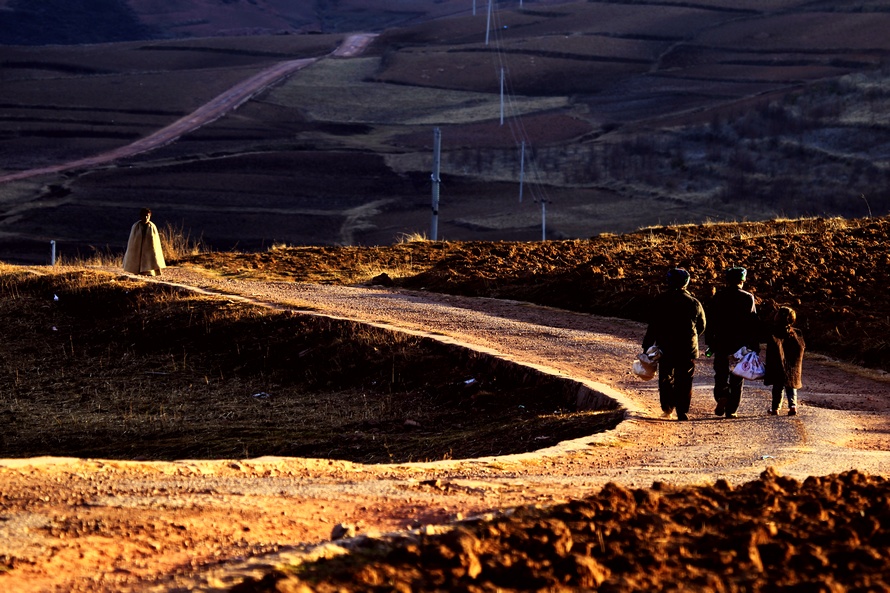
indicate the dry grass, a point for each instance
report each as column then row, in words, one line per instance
column 176, row 243
column 98, row 257
column 412, row 238
column 725, row 231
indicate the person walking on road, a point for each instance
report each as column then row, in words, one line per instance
column 676, row 321
column 144, row 254
column 733, row 324
column 784, row 360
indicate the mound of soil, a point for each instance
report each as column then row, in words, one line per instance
column 772, row 534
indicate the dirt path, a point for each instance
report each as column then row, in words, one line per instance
column 207, row 113
column 93, row 525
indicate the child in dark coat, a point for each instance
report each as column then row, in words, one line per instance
column 784, row 360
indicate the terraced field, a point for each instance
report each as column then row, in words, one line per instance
column 632, row 114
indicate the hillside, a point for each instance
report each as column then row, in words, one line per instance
column 834, row 272
column 775, row 533
column 633, row 114
column 69, row 22
column 206, row 355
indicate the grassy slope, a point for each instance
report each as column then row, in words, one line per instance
column 99, row 366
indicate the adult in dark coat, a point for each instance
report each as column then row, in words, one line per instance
column 677, row 320
column 732, row 324
column 784, row 360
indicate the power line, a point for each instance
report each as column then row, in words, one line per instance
column 517, row 126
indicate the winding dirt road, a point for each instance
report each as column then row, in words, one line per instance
column 96, row 525
column 207, row 113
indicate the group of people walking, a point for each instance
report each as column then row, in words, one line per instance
column 730, row 323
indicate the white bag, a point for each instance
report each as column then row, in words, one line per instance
column 737, row 356
column 750, row 367
column 644, row 370
column 646, row 363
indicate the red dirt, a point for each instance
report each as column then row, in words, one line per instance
column 773, row 534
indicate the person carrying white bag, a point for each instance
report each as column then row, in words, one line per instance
column 732, row 324
column 749, row 365
column 677, row 319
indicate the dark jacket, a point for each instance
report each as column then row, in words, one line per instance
column 784, row 358
column 732, row 321
column 677, row 320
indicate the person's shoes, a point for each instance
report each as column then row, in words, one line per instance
column 732, row 415
column 682, row 417
column 721, row 406
column 774, row 412
column 667, row 413
column 792, row 411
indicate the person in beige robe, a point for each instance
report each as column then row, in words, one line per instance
column 144, row 254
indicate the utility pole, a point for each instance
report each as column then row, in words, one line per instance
column 502, row 96
column 521, row 170
column 488, row 22
column 543, row 219
column 437, row 149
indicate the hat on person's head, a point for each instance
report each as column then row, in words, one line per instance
column 736, row 275
column 677, row 278
column 786, row 316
